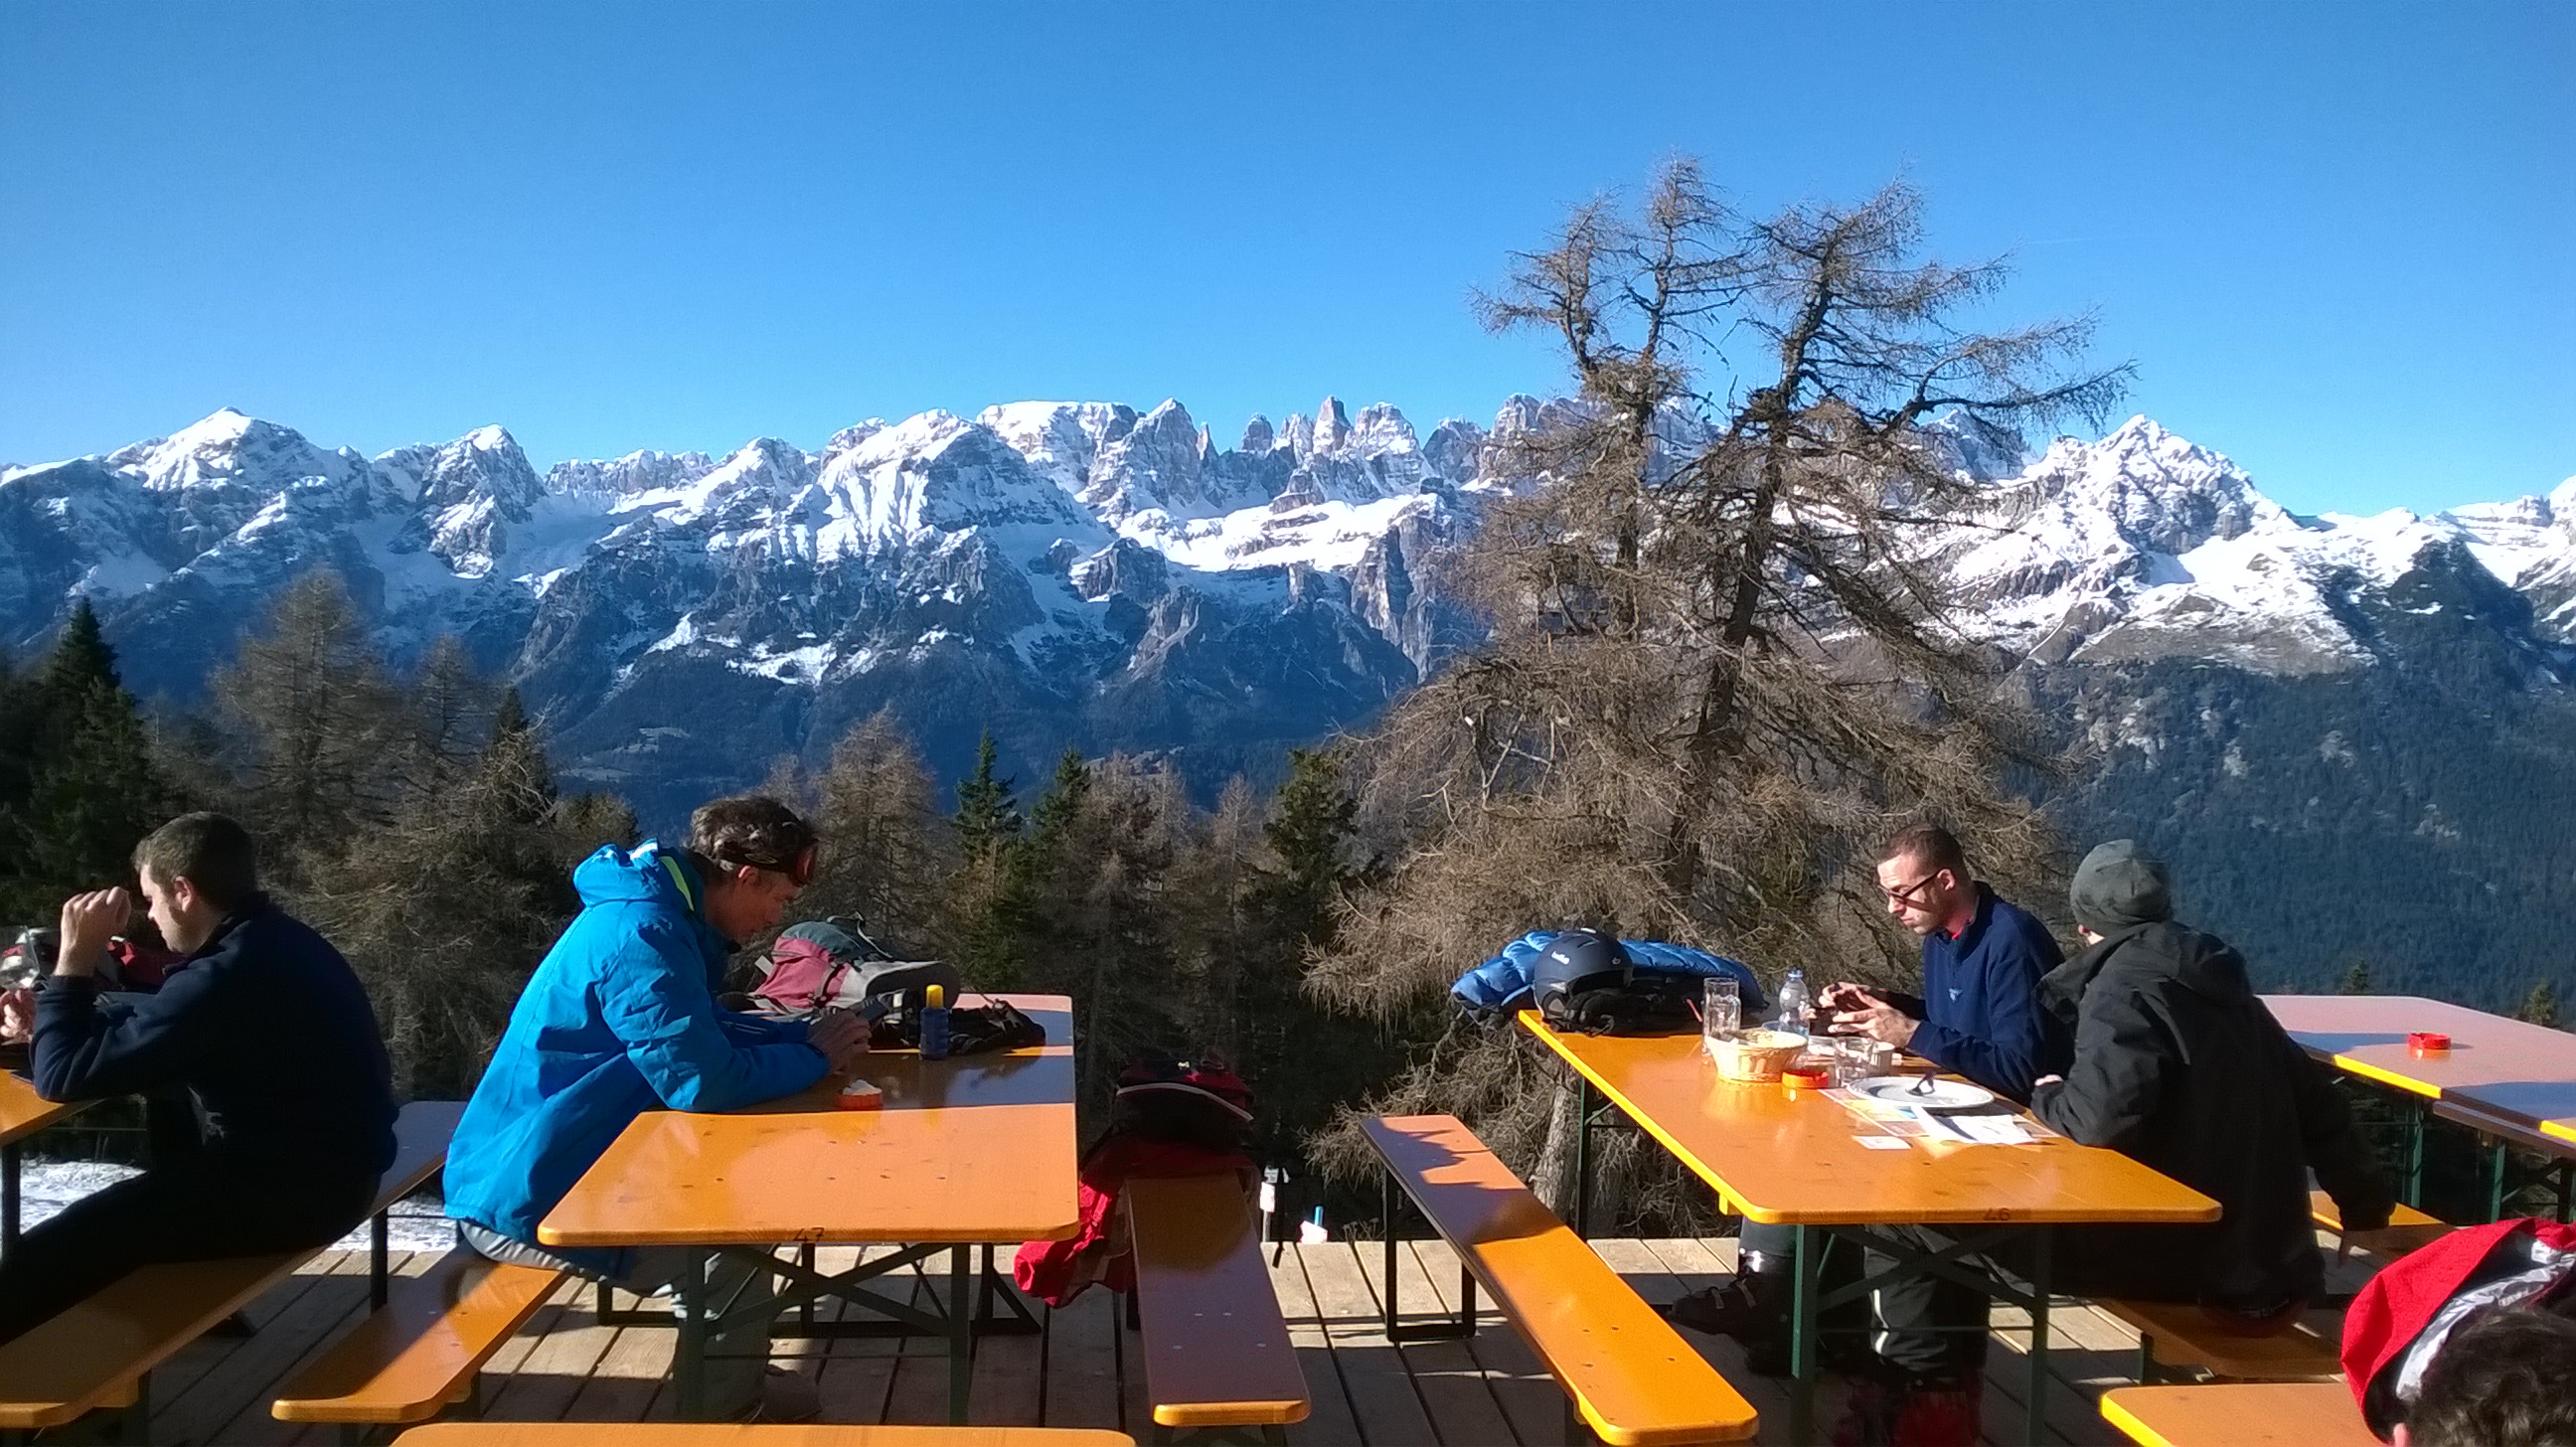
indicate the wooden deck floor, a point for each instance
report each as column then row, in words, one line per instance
column 1482, row 1392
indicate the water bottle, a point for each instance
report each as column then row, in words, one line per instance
column 1793, row 1004
column 934, row 1023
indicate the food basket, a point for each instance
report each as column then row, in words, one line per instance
column 1756, row 1054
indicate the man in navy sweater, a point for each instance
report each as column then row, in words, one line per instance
column 1980, row 1016
column 264, row 1025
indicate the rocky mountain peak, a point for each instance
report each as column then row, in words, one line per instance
column 230, row 447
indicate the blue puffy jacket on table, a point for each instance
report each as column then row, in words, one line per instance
column 1503, row 982
column 620, row 1018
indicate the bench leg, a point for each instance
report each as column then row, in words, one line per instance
column 1465, row 1323
column 9, row 1197
column 379, row 1250
column 2146, row 1360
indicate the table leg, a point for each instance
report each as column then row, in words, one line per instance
column 379, row 1254
column 2031, row 1402
column 961, row 1332
column 9, row 1197
column 1583, row 1155
column 2496, row 1164
column 1805, row 1273
column 689, row 1361
column 2416, row 1113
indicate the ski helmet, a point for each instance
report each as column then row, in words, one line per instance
column 1575, row 961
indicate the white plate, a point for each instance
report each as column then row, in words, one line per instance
column 1944, row 1094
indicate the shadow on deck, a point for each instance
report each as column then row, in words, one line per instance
column 1486, row 1391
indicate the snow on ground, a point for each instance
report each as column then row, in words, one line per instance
column 49, row 1186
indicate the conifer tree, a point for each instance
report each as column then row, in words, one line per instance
column 315, row 721
column 2356, row 981
column 92, row 788
column 2540, row 1007
column 885, row 854
column 992, row 900
column 988, row 817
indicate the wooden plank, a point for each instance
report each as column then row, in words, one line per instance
column 182, row 1372
column 569, row 1341
column 1631, row 1375
column 1383, row 1400
column 1331, row 1424
column 2070, row 1414
column 247, row 1381
column 404, row 1362
column 1211, row 1349
column 1007, row 1388
column 1529, row 1402
column 1445, row 1374
column 857, row 1373
column 2240, row 1414
column 631, row 1380
column 1081, row 1368
column 920, row 1392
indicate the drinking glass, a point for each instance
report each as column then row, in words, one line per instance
column 1721, row 1007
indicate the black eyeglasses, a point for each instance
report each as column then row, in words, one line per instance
column 1910, row 896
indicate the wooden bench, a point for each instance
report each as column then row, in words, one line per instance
column 1217, row 1355
column 421, row 1353
column 2180, row 1334
column 2408, row 1228
column 2239, row 1414
column 679, row 1434
column 98, row 1355
column 1629, row 1375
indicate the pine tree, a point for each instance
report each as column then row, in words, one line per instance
column 2540, row 1007
column 93, row 790
column 1061, row 804
column 2356, row 981
column 988, row 816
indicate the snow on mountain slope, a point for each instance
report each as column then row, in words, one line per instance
column 2144, row 546
column 1055, row 567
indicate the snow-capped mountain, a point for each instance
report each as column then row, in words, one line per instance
column 2144, row 546
column 1080, row 572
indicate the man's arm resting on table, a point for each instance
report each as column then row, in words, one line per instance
column 2121, row 1059
column 654, row 998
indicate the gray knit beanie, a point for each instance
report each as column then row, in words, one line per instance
column 2118, row 885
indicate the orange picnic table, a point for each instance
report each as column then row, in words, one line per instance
column 2239, row 1414
column 1799, row 1161
column 2512, row 1081
column 971, row 1151
column 22, row 1113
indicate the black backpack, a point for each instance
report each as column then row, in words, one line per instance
column 1649, row 1003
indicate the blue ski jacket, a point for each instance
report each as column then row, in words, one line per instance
column 619, row 1018
column 1502, row 983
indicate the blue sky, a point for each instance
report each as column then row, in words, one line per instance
column 2339, row 240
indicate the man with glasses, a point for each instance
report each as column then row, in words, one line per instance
column 621, row 1018
column 1979, row 1015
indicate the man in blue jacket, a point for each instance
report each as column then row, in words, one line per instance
column 1979, row 1016
column 621, row 1018
column 263, row 1025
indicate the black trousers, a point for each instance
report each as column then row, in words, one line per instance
column 199, row 1208
column 1937, row 1327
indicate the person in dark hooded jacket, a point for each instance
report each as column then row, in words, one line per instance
column 2179, row 1067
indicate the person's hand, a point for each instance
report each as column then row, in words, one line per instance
column 2048, row 1080
column 1876, row 1019
column 89, row 922
column 1844, row 995
column 841, row 1035
column 17, row 1016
